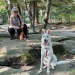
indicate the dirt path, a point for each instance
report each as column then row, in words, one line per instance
column 15, row 47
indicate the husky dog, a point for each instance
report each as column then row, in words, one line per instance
column 48, row 58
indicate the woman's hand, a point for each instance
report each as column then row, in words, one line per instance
column 11, row 26
column 16, row 27
column 22, row 26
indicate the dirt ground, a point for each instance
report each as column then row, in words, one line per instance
column 68, row 69
column 64, row 69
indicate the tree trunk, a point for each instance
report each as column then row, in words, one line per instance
column 9, row 3
column 48, row 5
column 7, row 11
column 18, row 6
column 33, row 16
column 9, row 7
column 36, row 13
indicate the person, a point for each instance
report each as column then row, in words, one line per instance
column 15, row 25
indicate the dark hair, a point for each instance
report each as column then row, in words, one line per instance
column 25, row 28
column 19, row 19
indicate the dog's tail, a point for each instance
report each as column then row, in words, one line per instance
column 63, row 62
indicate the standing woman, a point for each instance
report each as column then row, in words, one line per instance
column 15, row 24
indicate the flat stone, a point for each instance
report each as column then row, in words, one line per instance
column 23, row 73
column 3, row 54
column 69, row 46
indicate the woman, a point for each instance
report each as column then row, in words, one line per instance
column 15, row 24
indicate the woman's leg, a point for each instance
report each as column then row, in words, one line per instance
column 19, row 31
column 12, row 33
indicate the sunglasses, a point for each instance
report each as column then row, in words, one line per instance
column 15, row 11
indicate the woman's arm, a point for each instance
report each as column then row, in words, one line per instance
column 10, row 21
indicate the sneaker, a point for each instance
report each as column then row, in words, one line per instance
column 12, row 37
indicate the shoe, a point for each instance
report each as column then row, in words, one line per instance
column 12, row 37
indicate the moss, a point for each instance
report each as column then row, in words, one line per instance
column 27, row 59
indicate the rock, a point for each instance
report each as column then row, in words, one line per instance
column 35, row 52
column 3, row 50
column 32, row 55
column 23, row 73
column 59, row 38
column 3, row 54
column 72, row 38
column 69, row 46
column 14, row 61
column 58, row 48
column 4, row 69
column 27, row 59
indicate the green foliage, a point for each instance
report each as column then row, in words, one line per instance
column 3, row 11
column 61, row 10
column 27, row 58
column 0, row 3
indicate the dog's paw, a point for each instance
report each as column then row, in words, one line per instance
column 48, row 72
column 53, row 68
column 44, row 67
column 39, row 71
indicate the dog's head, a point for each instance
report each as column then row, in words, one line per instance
column 45, row 37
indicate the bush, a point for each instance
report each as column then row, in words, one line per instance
column 3, row 16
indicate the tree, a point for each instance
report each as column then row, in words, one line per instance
column 8, row 7
column 60, row 10
column 36, row 12
column 48, row 5
column 31, row 15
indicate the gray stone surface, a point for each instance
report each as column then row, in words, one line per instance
column 16, row 47
column 69, row 46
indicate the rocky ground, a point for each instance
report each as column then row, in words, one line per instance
column 10, row 48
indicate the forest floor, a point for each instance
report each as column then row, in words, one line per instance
column 19, row 47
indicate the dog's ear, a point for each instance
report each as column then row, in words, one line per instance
column 48, row 31
column 43, row 31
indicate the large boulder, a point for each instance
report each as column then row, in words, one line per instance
column 58, row 48
column 59, row 38
column 3, row 55
column 69, row 46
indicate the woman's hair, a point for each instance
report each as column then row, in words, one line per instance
column 14, row 9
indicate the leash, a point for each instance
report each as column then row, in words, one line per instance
column 21, row 35
column 46, row 51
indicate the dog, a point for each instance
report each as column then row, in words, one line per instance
column 48, row 58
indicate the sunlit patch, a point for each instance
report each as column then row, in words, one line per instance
column 23, row 73
column 4, row 69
